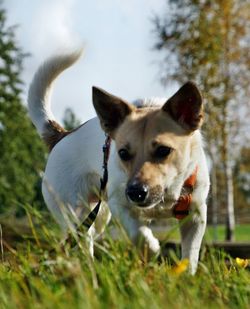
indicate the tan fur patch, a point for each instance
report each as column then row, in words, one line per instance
column 55, row 133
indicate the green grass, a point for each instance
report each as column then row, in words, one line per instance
column 31, row 276
column 242, row 233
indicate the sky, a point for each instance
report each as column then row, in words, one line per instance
column 118, row 40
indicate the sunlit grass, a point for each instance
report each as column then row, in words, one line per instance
column 36, row 273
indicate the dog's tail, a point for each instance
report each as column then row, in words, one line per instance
column 39, row 97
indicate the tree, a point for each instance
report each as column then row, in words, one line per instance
column 22, row 153
column 207, row 41
column 242, row 183
column 70, row 120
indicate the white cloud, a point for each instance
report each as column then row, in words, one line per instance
column 52, row 25
column 43, row 25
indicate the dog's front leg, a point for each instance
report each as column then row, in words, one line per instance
column 140, row 234
column 147, row 243
column 192, row 231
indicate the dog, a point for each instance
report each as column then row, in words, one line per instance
column 156, row 146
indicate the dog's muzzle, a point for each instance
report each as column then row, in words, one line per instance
column 142, row 195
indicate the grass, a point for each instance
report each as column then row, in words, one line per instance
column 242, row 232
column 31, row 276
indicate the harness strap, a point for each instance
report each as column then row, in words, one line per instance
column 103, row 183
column 182, row 206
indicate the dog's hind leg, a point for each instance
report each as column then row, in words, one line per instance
column 90, row 241
column 98, row 226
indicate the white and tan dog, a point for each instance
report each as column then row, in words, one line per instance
column 156, row 146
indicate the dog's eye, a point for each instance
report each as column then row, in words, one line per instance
column 162, row 152
column 124, row 154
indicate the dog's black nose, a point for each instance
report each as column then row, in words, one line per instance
column 137, row 192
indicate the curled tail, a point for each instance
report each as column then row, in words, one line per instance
column 39, row 97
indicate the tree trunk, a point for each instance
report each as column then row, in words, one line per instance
column 230, row 220
column 214, row 202
column 230, row 223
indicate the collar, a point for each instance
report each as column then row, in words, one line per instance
column 182, row 206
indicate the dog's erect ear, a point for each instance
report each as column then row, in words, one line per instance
column 110, row 109
column 186, row 107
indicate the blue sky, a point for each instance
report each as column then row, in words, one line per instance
column 118, row 40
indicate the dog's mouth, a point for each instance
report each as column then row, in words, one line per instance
column 147, row 198
column 146, row 205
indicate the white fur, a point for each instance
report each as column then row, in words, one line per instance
column 75, row 166
column 41, row 86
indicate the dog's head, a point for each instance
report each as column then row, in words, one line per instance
column 153, row 144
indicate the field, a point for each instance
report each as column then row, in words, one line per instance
column 242, row 233
column 37, row 273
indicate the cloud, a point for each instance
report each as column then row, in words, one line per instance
column 52, row 25
column 44, row 25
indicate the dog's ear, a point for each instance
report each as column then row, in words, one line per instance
column 186, row 107
column 110, row 109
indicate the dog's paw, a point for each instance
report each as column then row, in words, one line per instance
column 148, row 245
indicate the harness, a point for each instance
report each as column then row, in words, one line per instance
column 180, row 209
column 182, row 206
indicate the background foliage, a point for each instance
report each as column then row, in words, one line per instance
column 22, row 154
